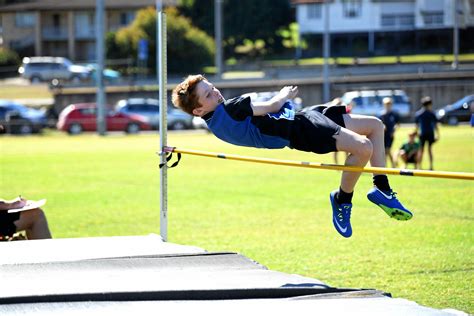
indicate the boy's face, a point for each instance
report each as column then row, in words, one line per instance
column 208, row 96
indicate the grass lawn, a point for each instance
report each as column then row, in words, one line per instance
column 40, row 91
column 278, row 216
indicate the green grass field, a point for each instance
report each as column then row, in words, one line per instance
column 278, row 216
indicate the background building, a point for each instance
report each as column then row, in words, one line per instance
column 62, row 28
column 386, row 27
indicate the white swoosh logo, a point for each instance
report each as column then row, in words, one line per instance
column 342, row 229
column 388, row 197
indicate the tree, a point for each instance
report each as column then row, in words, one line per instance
column 188, row 48
column 245, row 21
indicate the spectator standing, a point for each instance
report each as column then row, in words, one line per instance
column 427, row 128
column 391, row 121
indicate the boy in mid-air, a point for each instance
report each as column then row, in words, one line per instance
column 274, row 124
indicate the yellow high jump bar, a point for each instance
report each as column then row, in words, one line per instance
column 316, row 165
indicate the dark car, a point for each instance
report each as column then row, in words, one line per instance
column 150, row 108
column 16, row 118
column 76, row 118
column 459, row 111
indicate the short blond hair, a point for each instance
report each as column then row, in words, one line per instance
column 387, row 100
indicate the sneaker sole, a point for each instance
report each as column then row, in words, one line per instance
column 399, row 215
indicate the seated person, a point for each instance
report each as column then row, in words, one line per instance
column 32, row 221
column 410, row 151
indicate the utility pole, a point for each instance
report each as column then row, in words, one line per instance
column 455, row 63
column 327, row 49
column 218, row 34
column 100, row 94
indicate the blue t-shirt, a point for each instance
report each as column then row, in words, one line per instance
column 426, row 120
column 233, row 121
column 390, row 119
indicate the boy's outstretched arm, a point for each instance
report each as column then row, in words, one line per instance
column 274, row 104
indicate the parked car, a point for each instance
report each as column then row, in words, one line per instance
column 369, row 102
column 38, row 69
column 110, row 75
column 199, row 123
column 16, row 118
column 459, row 111
column 150, row 108
column 77, row 118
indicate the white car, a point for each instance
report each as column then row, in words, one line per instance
column 150, row 108
column 37, row 69
column 369, row 102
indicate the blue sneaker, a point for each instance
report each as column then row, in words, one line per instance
column 341, row 216
column 388, row 202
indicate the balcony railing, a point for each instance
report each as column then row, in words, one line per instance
column 87, row 32
column 54, row 33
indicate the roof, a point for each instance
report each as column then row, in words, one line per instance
column 61, row 5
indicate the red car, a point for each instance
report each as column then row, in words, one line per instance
column 77, row 118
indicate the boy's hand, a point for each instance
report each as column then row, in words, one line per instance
column 289, row 92
column 19, row 202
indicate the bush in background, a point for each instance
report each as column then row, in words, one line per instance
column 9, row 62
column 188, row 48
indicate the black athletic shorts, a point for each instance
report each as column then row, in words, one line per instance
column 313, row 129
column 7, row 227
column 427, row 138
column 412, row 158
column 388, row 140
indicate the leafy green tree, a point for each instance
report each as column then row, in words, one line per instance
column 244, row 20
column 188, row 48
column 8, row 57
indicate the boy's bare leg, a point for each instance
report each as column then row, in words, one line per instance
column 430, row 155
column 390, row 157
column 360, row 150
column 34, row 223
column 422, row 150
column 373, row 128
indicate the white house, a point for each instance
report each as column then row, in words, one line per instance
column 407, row 20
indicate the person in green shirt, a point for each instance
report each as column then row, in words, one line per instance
column 410, row 151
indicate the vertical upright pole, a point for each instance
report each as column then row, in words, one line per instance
column 218, row 35
column 455, row 35
column 327, row 49
column 100, row 94
column 161, row 73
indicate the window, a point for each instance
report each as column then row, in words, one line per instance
column 88, row 111
column 314, row 11
column 126, row 18
column 25, row 19
column 398, row 21
column 352, row 8
column 433, row 18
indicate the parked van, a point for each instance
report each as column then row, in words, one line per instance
column 369, row 102
column 38, row 69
